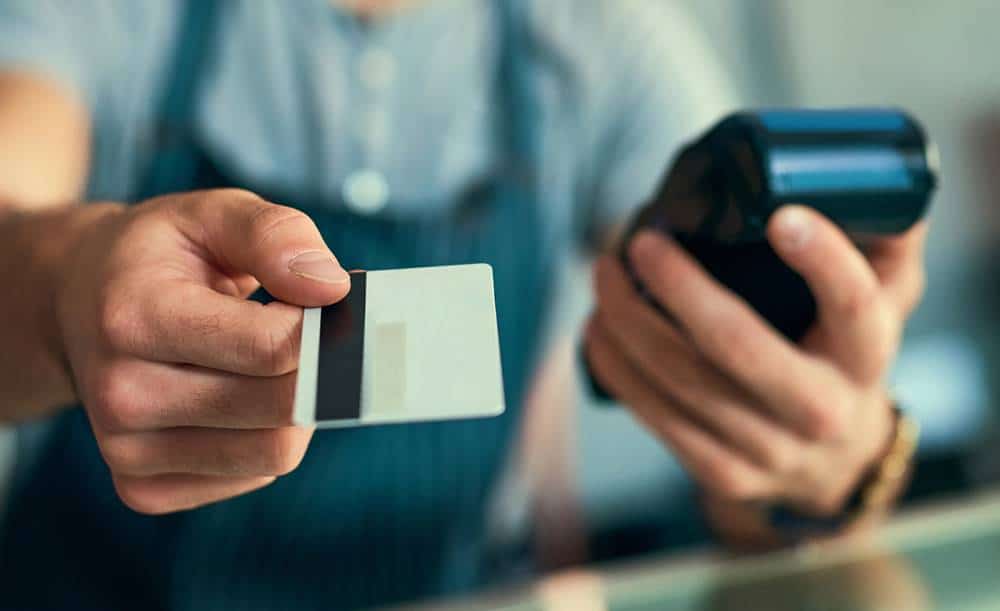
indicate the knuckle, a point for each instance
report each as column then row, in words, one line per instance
column 825, row 417
column 780, row 457
column 269, row 219
column 123, row 455
column 284, row 451
column 141, row 498
column 120, row 322
column 115, row 400
column 860, row 301
column 733, row 483
column 272, row 350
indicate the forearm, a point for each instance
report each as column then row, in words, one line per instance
column 34, row 246
column 44, row 163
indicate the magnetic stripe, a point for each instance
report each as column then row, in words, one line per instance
column 342, row 346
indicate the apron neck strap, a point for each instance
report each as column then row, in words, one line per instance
column 519, row 110
column 174, row 160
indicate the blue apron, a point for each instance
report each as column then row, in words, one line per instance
column 373, row 515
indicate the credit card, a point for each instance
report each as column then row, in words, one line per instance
column 405, row 345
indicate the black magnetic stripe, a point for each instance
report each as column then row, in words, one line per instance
column 341, row 353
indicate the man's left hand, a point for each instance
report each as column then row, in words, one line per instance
column 752, row 416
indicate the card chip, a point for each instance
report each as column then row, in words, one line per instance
column 389, row 388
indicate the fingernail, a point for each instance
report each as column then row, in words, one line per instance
column 320, row 266
column 794, row 227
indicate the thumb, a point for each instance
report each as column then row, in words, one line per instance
column 847, row 291
column 279, row 246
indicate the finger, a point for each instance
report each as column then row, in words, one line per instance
column 222, row 452
column 134, row 395
column 670, row 364
column 889, row 253
column 278, row 245
column 184, row 322
column 898, row 263
column 176, row 492
column 748, row 431
column 715, row 466
column 797, row 389
column 711, row 463
column 848, row 295
column 649, row 341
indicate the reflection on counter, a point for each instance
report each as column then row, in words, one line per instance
column 943, row 557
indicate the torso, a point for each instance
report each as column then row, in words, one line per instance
column 293, row 105
column 371, row 515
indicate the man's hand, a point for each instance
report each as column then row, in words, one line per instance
column 187, row 384
column 752, row 416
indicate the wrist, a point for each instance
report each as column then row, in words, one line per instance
column 885, row 426
column 37, row 250
column 875, row 479
column 832, row 489
column 68, row 270
column 872, row 495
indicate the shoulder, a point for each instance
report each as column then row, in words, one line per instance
column 633, row 52
column 88, row 21
column 81, row 43
column 609, row 32
column 646, row 78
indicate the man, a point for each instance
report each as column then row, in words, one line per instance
column 411, row 134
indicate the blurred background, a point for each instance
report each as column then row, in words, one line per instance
column 936, row 59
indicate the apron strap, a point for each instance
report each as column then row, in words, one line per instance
column 520, row 112
column 174, row 161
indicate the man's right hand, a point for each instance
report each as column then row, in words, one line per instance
column 188, row 385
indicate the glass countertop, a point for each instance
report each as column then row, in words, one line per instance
column 945, row 556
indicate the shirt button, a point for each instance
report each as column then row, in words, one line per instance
column 366, row 191
column 377, row 68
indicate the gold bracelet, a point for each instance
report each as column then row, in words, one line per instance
column 875, row 492
column 883, row 484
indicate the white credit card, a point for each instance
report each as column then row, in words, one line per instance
column 405, row 345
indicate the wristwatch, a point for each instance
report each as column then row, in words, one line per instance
column 875, row 493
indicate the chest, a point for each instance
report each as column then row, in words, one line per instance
column 308, row 99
